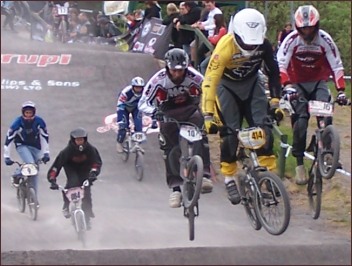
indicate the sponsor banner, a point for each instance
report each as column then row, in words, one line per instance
column 153, row 38
column 115, row 7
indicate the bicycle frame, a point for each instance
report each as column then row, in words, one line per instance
column 75, row 196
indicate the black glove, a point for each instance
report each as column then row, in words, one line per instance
column 8, row 161
column 341, row 98
column 154, row 124
column 158, row 115
column 92, row 177
column 53, row 185
column 46, row 158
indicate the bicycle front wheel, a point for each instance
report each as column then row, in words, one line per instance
column 192, row 185
column 80, row 226
column 315, row 188
column 32, row 204
column 273, row 208
column 126, row 151
column 139, row 165
column 249, row 203
column 328, row 156
column 21, row 199
column 190, row 214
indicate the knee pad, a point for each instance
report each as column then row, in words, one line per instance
column 268, row 161
column 228, row 169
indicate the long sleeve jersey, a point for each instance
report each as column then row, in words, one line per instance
column 31, row 133
column 227, row 62
column 300, row 62
column 127, row 99
column 161, row 91
column 83, row 161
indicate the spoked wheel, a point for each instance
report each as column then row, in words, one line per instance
column 328, row 156
column 32, row 204
column 126, row 151
column 248, row 204
column 21, row 199
column 193, row 184
column 81, row 227
column 190, row 214
column 273, row 208
column 315, row 188
column 139, row 165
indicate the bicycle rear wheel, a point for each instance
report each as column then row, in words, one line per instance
column 126, row 151
column 21, row 199
column 32, row 204
column 139, row 165
column 273, row 208
column 328, row 156
column 248, row 203
column 315, row 188
column 193, row 184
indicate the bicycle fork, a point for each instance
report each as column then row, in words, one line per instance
column 75, row 220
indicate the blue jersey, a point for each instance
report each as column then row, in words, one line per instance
column 127, row 100
column 31, row 133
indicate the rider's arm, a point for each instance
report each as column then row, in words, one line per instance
column 220, row 57
column 44, row 135
column 10, row 136
column 147, row 103
column 334, row 59
column 97, row 162
column 272, row 70
column 284, row 55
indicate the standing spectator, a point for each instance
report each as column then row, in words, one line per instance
column 84, row 27
column 172, row 13
column 8, row 9
column 307, row 57
column 283, row 33
column 220, row 30
column 153, row 10
column 191, row 14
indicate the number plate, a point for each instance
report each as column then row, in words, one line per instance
column 75, row 193
column 139, row 137
column 318, row 108
column 62, row 10
column 252, row 138
column 29, row 169
column 190, row 133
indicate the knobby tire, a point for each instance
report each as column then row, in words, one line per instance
column 139, row 165
column 80, row 226
column 126, row 151
column 331, row 144
column 315, row 188
column 32, row 204
column 192, row 186
column 21, row 199
column 275, row 220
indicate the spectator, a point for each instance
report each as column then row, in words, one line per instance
column 283, row 33
column 220, row 30
column 8, row 9
column 84, row 27
column 189, row 15
column 172, row 12
column 153, row 10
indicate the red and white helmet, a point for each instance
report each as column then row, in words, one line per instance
column 307, row 16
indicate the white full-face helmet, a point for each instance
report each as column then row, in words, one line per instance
column 249, row 28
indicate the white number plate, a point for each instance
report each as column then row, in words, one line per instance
column 318, row 108
column 252, row 138
column 139, row 137
column 190, row 133
column 75, row 194
column 62, row 10
column 29, row 169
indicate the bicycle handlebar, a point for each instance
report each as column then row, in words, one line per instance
column 85, row 184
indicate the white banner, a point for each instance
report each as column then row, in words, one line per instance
column 115, row 7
